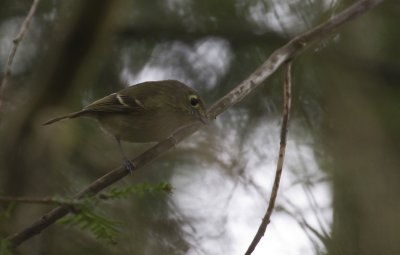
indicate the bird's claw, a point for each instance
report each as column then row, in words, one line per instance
column 129, row 166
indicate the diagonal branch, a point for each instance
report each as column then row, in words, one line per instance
column 288, row 51
column 275, row 187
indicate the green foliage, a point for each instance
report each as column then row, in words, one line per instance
column 7, row 212
column 85, row 217
column 101, row 227
column 5, row 247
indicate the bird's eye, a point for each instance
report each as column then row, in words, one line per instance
column 194, row 101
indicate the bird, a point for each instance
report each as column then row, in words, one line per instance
column 146, row 112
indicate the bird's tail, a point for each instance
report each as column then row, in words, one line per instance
column 68, row 116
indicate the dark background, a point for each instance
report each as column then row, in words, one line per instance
column 341, row 182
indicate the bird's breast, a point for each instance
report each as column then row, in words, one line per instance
column 144, row 128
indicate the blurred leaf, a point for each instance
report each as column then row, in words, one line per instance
column 101, row 227
column 5, row 247
column 4, row 215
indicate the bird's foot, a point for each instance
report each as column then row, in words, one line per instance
column 129, row 166
column 173, row 139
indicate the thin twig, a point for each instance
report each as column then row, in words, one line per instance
column 49, row 200
column 279, row 166
column 32, row 200
column 101, row 183
column 17, row 40
column 295, row 46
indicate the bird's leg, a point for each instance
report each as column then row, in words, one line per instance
column 127, row 163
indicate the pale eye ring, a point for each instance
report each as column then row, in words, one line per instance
column 194, row 101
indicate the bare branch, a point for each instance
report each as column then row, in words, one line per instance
column 101, row 183
column 288, row 51
column 17, row 40
column 31, row 200
column 284, row 128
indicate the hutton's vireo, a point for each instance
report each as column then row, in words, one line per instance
column 146, row 112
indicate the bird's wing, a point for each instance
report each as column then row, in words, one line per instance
column 115, row 103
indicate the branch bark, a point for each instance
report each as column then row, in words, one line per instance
column 281, row 55
column 281, row 157
column 31, row 200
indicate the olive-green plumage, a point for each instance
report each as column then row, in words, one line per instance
column 146, row 112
